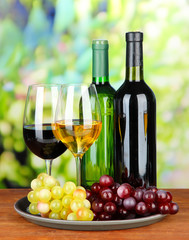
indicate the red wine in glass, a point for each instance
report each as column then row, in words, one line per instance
column 42, row 142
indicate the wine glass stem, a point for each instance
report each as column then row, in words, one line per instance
column 48, row 163
column 78, row 170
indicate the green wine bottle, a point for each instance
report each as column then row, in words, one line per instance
column 98, row 160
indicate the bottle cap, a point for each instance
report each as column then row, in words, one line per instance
column 99, row 44
column 134, row 36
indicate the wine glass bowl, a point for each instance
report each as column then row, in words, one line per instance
column 78, row 120
column 77, row 135
column 38, row 125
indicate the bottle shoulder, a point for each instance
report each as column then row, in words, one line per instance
column 105, row 89
column 106, row 95
column 134, row 89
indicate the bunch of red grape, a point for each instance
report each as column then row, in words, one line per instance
column 110, row 200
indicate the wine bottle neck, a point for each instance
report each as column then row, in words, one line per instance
column 101, row 80
column 134, row 61
column 134, row 74
column 100, row 70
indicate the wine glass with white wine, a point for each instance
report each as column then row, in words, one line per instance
column 78, row 120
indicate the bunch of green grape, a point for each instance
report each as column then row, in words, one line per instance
column 50, row 200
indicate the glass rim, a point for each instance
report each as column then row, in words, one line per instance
column 60, row 84
column 44, row 85
column 78, row 84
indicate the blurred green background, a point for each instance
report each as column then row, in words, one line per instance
column 50, row 41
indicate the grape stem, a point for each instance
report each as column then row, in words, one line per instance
column 48, row 163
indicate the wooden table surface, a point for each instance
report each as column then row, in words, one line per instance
column 13, row 226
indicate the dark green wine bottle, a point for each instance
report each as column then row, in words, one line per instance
column 98, row 160
column 135, row 121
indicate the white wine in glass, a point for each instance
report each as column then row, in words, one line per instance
column 78, row 120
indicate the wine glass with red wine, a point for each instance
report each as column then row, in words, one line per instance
column 38, row 124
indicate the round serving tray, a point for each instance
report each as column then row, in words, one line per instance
column 22, row 205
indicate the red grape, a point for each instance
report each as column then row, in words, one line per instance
column 95, row 218
column 122, row 212
column 164, row 208
column 152, row 207
column 152, row 188
column 102, row 189
column 118, row 201
column 106, row 181
column 95, row 188
column 138, row 194
column 149, row 196
column 110, row 207
column 161, row 196
column 124, row 190
column 141, row 208
column 169, row 197
column 107, row 195
column 93, row 197
column 97, row 205
column 129, row 203
column 110, row 200
column 146, row 214
column 174, row 208
column 105, row 216
column 88, row 194
column 115, row 187
column 130, row 215
column 142, row 188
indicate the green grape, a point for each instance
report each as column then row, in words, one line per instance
column 80, row 194
column 56, row 205
column 69, row 187
column 87, row 204
column 36, row 183
column 91, row 215
column 64, row 213
column 45, row 215
column 32, row 197
column 49, row 182
column 54, row 215
column 80, row 187
column 72, row 217
column 33, row 208
column 57, row 183
column 84, row 214
column 57, row 192
column 42, row 176
column 76, row 204
column 36, row 193
column 44, row 195
column 66, row 200
column 43, row 207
